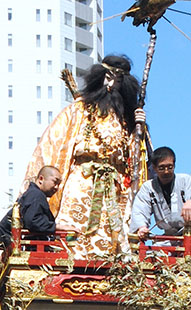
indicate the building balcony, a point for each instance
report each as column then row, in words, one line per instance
column 83, row 61
column 84, row 12
column 84, row 37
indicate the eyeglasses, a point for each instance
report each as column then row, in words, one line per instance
column 162, row 168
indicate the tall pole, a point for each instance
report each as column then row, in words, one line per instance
column 138, row 132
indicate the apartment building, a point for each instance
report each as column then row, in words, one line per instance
column 39, row 38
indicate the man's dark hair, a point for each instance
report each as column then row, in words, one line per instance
column 162, row 153
column 46, row 171
column 124, row 94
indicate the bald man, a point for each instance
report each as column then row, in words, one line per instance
column 34, row 208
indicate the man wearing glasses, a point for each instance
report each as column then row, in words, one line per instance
column 167, row 197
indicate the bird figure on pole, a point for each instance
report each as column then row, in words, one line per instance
column 147, row 12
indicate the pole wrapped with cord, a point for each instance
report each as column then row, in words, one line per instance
column 139, row 133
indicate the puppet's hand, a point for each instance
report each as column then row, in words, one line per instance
column 140, row 116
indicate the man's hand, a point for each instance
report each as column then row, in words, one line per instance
column 143, row 233
column 60, row 226
column 186, row 211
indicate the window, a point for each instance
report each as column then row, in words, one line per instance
column 49, row 66
column 83, row 26
column 99, row 58
column 68, row 66
column 83, row 1
column 49, row 40
column 10, row 91
column 10, row 39
column 10, row 143
column 38, row 66
column 38, row 92
column 80, row 73
column 68, row 95
column 10, row 194
column 81, row 23
column 99, row 34
column 9, row 13
column 10, row 116
column 10, row 169
column 83, row 49
column 49, row 15
column 99, row 10
column 49, row 92
column 38, row 117
column 50, row 117
column 37, row 15
column 68, row 19
column 68, row 44
column 10, row 65
column 38, row 40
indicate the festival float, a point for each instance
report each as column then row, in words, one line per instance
column 44, row 274
column 39, row 273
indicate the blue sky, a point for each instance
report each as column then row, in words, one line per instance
column 168, row 99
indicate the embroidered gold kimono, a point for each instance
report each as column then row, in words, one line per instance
column 92, row 196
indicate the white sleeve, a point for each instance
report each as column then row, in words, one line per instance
column 142, row 208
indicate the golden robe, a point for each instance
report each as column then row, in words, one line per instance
column 85, row 178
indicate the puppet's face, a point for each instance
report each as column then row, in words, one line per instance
column 113, row 80
column 165, row 170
